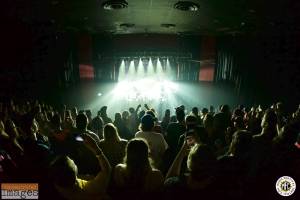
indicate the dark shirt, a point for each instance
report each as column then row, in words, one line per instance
column 221, row 122
column 123, row 130
column 174, row 131
column 84, row 158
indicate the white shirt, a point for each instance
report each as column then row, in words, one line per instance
column 156, row 142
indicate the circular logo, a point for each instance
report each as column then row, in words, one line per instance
column 285, row 186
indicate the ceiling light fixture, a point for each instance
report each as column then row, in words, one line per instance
column 186, row 6
column 114, row 4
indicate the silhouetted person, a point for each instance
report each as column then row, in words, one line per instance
column 166, row 120
column 133, row 119
column 84, row 158
column 195, row 112
column 103, row 115
column 64, row 173
column 112, row 145
column 136, row 178
column 97, row 125
column 122, row 128
column 156, row 141
column 201, row 181
column 221, row 122
column 176, row 129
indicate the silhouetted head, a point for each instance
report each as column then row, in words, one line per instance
column 167, row 113
column 225, row 109
column 269, row 119
column 103, row 110
column 195, row 111
column 147, row 123
column 190, row 122
column 97, row 123
column 241, row 143
column 204, row 111
column 131, row 110
column 137, row 155
column 63, row 171
column 81, row 122
column 208, row 121
column 125, row 114
column 110, row 132
column 118, row 117
column 201, row 134
column 180, row 114
column 201, row 161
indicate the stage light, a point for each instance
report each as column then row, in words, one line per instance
column 168, row 69
column 145, row 60
column 99, row 94
column 122, row 71
column 136, row 63
column 140, row 70
column 127, row 63
column 150, row 70
column 131, row 71
column 147, row 89
column 159, row 70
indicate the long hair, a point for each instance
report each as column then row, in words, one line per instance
column 137, row 161
column 110, row 132
column 201, row 161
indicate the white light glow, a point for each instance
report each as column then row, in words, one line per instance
column 146, row 82
column 144, row 90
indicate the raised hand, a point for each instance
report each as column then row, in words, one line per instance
column 91, row 144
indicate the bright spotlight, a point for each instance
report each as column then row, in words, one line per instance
column 150, row 71
column 147, row 89
column 122, row 71
column 99, row 94
column 131, row 71
column 168, row 69
column 140, row 69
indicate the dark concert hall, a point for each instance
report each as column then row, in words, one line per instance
column 150, row 99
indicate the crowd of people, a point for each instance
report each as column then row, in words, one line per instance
column 208, row 153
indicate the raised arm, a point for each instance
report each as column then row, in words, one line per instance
column 100, row 182
column 175, row 168
column 146, row 106
column 3, row 134
column 137, row 108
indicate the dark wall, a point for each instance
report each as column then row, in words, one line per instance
column 141, row 42
column 267, row 64
column 34, row 58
